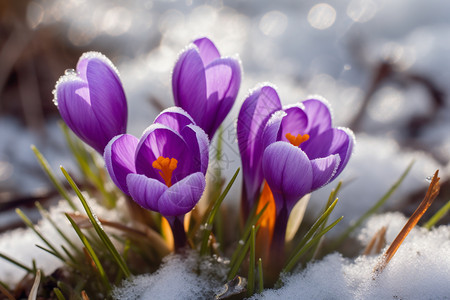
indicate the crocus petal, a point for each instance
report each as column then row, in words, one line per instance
column 207, row 49
column 272, row 132
column 106, row 93
column 319, row 116
column 175, row 118
column 324, row 170
column 295, row 122
column 160, row 140
column 198, row 143
column 189, row 84
column 74, row 106
column 332, row 141
column 145, row 191
column 223, row 79
column 254, row 113
column 181, row 197
column 288, row 173
column 119, row 159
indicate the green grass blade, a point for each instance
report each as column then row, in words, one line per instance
column 333, row 196
column 438, row 216
column 373, row 209
column 51, row 175
column 16, row 263
column 85, row 160
column 30, row 225
column 58, row 294
column 98, row 228
column 314, row 228
column 246, row 233
column 234, row 268
column 47, row 216
column 261, row 276
column 251, row 265
column 308, row 245
column 92, row 253
column 212, row 214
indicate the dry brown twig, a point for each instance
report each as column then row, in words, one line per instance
column 432, row 192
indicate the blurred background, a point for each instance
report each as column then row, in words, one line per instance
column 384, row 66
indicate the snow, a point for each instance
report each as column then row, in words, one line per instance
column 419, row 270
column 177, row 278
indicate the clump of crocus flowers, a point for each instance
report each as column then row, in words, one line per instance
column 286, row 152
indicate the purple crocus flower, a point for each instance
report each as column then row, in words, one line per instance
column 165, row 169
column 302, row 152
column 206, row 84
column 91, row 100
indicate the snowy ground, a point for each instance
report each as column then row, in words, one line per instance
column 331, row 49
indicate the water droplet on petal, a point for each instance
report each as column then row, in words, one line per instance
column 429, row 178
column 70, row 72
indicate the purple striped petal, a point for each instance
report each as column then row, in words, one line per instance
column 181, row 197
column 106, row 94
column 119, row 159
column 175, row 118
column 145, row 191
column 198, row 143
column 223, row 78
column 324, row 169
column 255, row 112
column 295, row 122
column 288, row 172
column 189, row 84
column 319, row 116
column 74, row 106
column 272, row 130
column 207, row 49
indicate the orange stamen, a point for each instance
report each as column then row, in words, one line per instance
column 297, row 140
column 166, row 166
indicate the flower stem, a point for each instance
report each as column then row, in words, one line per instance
column 276, row 256
column 178, row 231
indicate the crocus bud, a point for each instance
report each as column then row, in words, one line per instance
column 91, row 100
column 205, row 84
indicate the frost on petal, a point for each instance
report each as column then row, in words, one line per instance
column 288, row 172
column 207, row 49
column 119, row 159
column 189, row 84
column 181, row 198
column 175, row 118
column 145, row 191
column 324, row 169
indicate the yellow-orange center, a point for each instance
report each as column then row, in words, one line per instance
column 166, row 166
column 297, row 140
